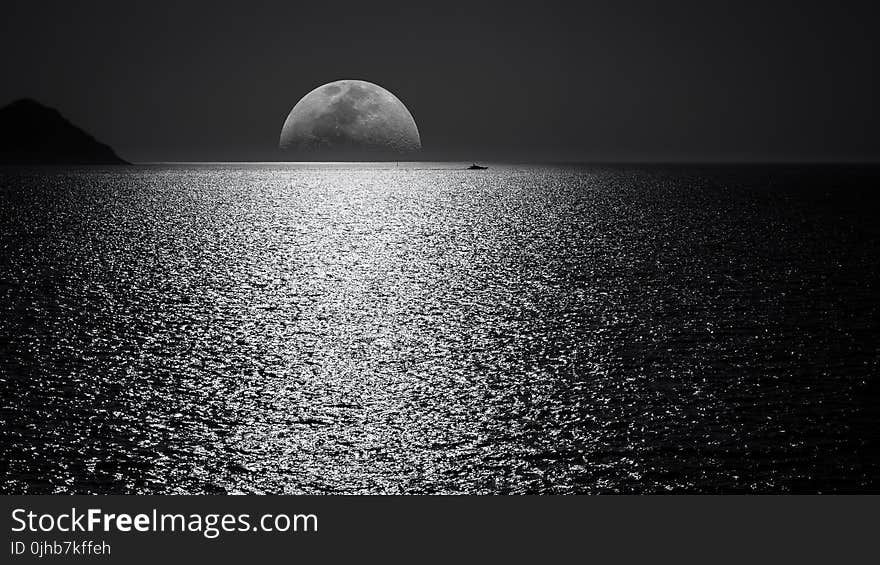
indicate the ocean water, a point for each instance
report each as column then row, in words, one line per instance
column 426, row 329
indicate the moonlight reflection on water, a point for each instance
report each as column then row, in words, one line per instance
column 307, row 329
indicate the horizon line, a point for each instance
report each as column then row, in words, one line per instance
column 525, row 162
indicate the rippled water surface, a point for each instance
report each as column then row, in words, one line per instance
column 350, row 329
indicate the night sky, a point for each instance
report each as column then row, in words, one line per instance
column 587, row 81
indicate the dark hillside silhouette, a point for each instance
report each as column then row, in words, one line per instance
column 33, row 134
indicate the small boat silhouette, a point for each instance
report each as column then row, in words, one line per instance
column 476, row 167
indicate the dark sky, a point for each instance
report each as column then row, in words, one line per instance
column 595, row 81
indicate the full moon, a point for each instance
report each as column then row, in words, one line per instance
column 350, row 119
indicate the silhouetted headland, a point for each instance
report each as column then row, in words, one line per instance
column 33, row 134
